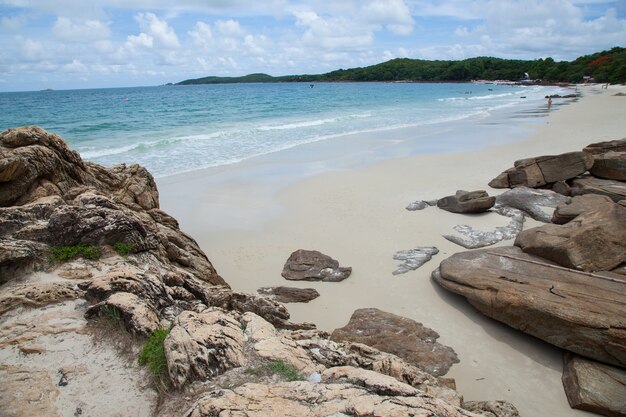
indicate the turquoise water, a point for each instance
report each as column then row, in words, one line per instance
column 174, row 129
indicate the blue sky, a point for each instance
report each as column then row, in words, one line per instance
column 107, row 43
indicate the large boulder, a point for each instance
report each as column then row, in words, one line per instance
column 573, row 310
column 401, row 336
column 532, row 202
column 202, row 345
column 593, row 241
column 311, row 265
column 615, row 190
column 542, row 170
column 578, row 205
column 599, row 148
column 593, row 386
column 307, row 399
column 609, row 159
column 467, row 202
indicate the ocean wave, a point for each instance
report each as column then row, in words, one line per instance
column 311, row 123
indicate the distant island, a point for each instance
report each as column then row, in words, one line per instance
column 606, row 66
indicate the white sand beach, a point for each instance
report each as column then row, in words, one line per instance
column 248, row 226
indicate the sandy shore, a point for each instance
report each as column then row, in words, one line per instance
column 358, row 216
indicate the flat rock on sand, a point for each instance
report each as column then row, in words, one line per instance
column 311, row 265
column 401, row 336
column 587, row 184
column 594, row 386
column 580, row 312
column 290, row 294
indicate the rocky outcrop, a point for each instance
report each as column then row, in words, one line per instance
column 202, row 345
column 467, row 202
column 311, row 265
column 595, row 387
column 542, row 170
column 615, row 190
column 593, row 241
column 308, row 399
column 413, row 258
column 570, row 309
column 532, row 202
column 599, row 148
column 610, row 165
column 579, row 205
column 491, row 408
column 403, row 337
column 290, row 294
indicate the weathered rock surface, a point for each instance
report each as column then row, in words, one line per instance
column 138, row 315
column 290, row 294
column 599, row 148
column 202, row 345
column 413, row 258
column 594, row 386
column 417, row 205
column 311, row 265
column 467, row 202
column 567, row 308
column 308, row 399
column 542, row 170
column 471, row 238
column 401, row 336
column 610, row 165
column 579, row 205
column 532, row 202
column 616, row 190
column 491, row 408
column 370, row 380
column 593, row 241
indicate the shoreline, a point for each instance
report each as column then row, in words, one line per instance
column 357, row 215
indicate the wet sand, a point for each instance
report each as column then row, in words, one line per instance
column 248, row 226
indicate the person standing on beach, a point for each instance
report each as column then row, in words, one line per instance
column 549, row 102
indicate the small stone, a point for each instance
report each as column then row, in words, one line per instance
column 413, row 258
column 417, row 205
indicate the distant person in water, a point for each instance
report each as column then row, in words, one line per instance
column 549, row 102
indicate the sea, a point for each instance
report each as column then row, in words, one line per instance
column 176, row 129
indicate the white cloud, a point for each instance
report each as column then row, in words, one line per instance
column 13, row 23
column 66, row 29
column 394, row 14
column 229, row 28
column 142, row 41
column 202, row 34
column 163, row 34
column 29, row 49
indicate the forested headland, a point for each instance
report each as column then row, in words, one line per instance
column 602, row 67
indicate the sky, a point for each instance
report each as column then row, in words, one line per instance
column 66, row 44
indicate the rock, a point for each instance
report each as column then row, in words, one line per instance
column 403, row 337
column 417, row 205
column 578, row 205
column 271, row 345
column 35, row 295
column 532, row 202
column 593, row 386
column 139, row 317
column 610, row 165
column 202, row 345
column 290, row 294
column 616, row 190
column 311, row 265
column 370, row 380
column 308, row 399
column 593, row 241
column 561, row 187
column 573, row 310
column 599, row 148
column 491, row 408
column 467, row 202
column 413, row 258
column 542, row 170
column 473, row 239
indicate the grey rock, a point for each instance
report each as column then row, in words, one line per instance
column 491, row 408
column 417, row 205
column 473, row 239
column 599, row 148
column 579, row 205
column 593, row 386
column 610, row 165
column 413, row 258
column 532, row 201
column 467, row 202
column 562, row 188
column 311, row 265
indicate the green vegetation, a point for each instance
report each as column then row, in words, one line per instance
column 124, row 249
column 111, row 314
column 66, row 253
column 153, row 354
column 605, row 66
column 285, row 370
